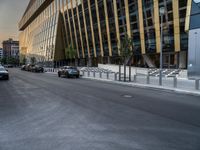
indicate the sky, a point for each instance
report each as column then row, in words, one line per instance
column 11, row 12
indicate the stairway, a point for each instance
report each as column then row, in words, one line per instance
column 165, row 72
column 128, row 60
column 148, row 60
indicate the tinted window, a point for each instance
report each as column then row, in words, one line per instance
column 2, row 69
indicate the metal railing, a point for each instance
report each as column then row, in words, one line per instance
column 168, row 82
column 50, row 69
column 135, row 77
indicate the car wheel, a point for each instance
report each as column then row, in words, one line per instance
column 77, row 76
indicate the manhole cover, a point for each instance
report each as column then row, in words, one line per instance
column 127, row 96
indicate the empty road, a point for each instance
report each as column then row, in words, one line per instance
column 44, row 112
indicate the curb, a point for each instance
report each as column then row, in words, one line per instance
column 145, row 86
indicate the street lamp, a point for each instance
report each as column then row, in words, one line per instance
column 162, row 12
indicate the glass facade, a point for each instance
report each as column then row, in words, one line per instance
column 95, row 28
column 39, row 37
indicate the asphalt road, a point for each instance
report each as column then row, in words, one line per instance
column 44, row 112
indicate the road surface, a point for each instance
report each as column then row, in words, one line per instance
column 44, row 112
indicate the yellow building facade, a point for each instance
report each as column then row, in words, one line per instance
column 96, row 29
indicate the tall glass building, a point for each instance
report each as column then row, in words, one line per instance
column 96, row 28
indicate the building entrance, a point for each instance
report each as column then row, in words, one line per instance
column 169, row 60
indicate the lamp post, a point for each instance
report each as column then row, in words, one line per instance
column 162, row 12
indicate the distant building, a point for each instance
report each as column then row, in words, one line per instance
column 14, row 51
column 11, row 48
column 1, row 53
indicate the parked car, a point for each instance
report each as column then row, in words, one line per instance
column 4, row 73
column 23, row 67
column 9, row 66
column 28, row 67
column 37, row 68
column 68, row 71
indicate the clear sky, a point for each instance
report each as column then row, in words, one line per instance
column 10, row 13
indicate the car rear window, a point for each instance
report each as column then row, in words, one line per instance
column 72, row 68
column 2, row 69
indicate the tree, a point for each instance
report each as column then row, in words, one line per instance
column 3, row 60
column 70, row 53
column 126, row 48
column 33, row 60
column 10, row 60
column 23, row 59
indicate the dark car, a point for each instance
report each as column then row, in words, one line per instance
column 28, row 67
column 68, row 71
column 37, row 68
column 9, row 66
column 23, row 67
column 4, row 74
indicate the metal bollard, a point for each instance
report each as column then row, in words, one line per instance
column 135, row 78
column 83, row 73
column 94, row 75
column 124, row 73
column 129, row 73
column 197, row 84
column 107, row 75
column 160, row 77
column 115, row 76
column 100, row 74
column 175, row 82
column 119, row 72
column 148, row 79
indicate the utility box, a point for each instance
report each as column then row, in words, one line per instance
column 194, row 42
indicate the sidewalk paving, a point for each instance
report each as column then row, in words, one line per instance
column 142, row 83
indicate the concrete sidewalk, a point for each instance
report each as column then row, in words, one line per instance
column 132, row 84
column 189, row 91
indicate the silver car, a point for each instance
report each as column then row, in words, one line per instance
column 69, row 71
column 4, row 75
